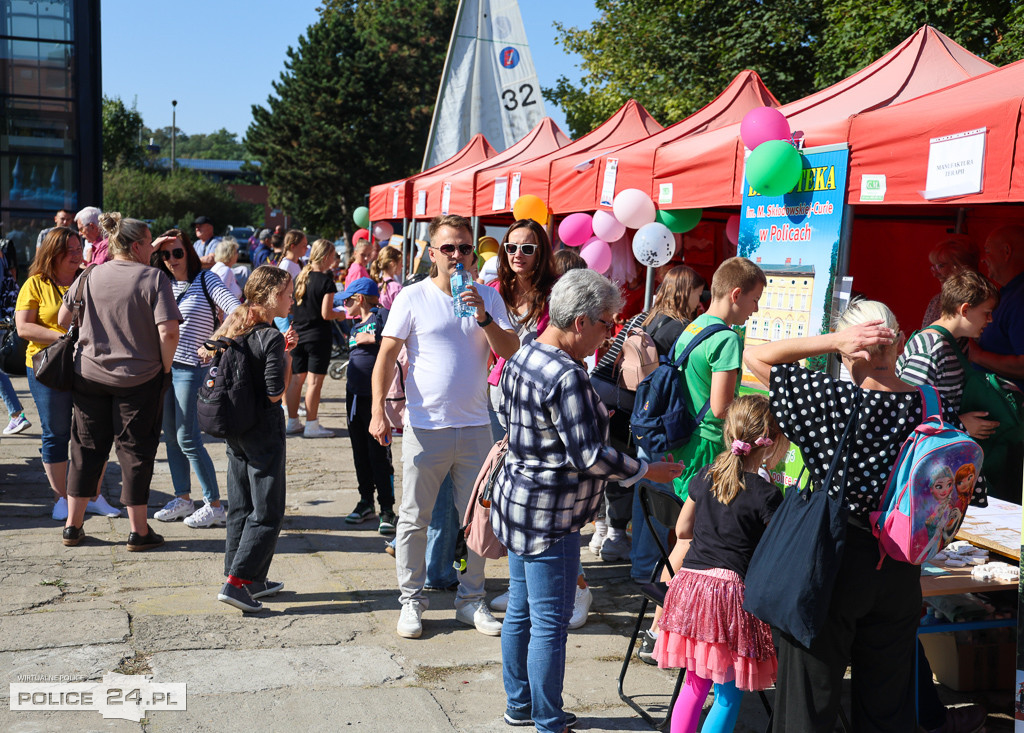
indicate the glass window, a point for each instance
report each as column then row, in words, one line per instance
column 799, row 330
column 37, row 181
column 777, row 330
column 23, row 229
column 50, row 20
column 792, row 300
column 789, row 329
column 37, row 69
column 35, row 125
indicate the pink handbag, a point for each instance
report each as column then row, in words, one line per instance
column 477, row 522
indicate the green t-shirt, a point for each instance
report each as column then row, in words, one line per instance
column 721, row 352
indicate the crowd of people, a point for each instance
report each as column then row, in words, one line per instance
column 520, row 367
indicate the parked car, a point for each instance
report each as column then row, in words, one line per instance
column 242, row 235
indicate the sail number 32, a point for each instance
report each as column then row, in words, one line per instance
column 511, row 100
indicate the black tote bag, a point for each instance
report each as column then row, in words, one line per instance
column 793, row 570
column 54, row 366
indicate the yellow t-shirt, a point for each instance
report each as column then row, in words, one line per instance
column 44, row 296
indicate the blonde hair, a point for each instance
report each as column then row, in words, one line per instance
column 319, row 252
column 862, row 310
column 960, row 251
column 673, row 298
column 54, row 246
column 293, row 238
column 736, row 272
column 749, row 418
column 262, row 290
column 387, row 257
column 122, row 233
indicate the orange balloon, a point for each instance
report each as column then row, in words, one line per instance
column 530, row 207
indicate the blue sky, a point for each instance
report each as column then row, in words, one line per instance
column 219, row 57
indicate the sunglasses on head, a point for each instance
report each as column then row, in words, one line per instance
column 177, row 253
column 449, row 249
column 525, row 249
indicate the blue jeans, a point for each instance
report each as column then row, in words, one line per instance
column 441, row 535
column 10, row 397
column 182, row 437
column 54, row 416
column 644, row 554
column 533, row 635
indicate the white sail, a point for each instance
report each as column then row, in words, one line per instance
column 489, row 83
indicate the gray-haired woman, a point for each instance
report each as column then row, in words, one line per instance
column 552, row 483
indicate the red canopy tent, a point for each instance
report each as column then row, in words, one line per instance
column 578, row 188
column 707, row 170
column 630, row 123
column 471, row 181
column 394, row 200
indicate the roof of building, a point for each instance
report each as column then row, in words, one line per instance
column 787, row 269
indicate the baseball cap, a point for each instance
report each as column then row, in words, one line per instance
column 200, row 220
column 360, row 286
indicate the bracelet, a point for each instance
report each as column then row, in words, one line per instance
column 487, row 321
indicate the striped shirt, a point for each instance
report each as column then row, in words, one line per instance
column 195, row 307
column 929, row 359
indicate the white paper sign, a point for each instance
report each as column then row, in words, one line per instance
column 514, row 193
column 665, row 193
column 872, row 187
column 446, row 196
column 421, row 203
column 500, row 192
column 394, row 202
column 956, row 164
column 611, row 167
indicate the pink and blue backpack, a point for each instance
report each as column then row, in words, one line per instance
column 929, row 488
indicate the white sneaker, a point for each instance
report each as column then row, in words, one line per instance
column 314, row 429
column 100, row 506
column 479, row 615
column 302, row 410
column 60, row 509
column 409, row 624
column 294, row 426
column 597, row 539
column 581, row 607
column 207, row 516
column 616, row 549
column 499, row 603
column 176, row 508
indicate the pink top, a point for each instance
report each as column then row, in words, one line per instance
column 355, row 271
column 388, row 290
column 100, row 253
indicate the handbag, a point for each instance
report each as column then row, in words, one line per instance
column 793, row 570
column 476, row 533
column 12, row 350
column 54, row 366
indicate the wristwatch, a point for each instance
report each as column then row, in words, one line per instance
column 487, row 321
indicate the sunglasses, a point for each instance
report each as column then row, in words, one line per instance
column 524, row 249
column 449, row 249
column 177, row 253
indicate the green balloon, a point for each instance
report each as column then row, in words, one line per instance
column 774, row 168
column 361, row 217
column 679, row 221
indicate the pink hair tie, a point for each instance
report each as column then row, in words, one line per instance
column 763, row 441
column 739, row 448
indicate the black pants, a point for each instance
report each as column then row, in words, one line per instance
column 372, row 460
column 872, row 626
column 256, row 496
column 128, row 418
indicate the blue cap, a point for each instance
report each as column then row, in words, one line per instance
column 361, row 286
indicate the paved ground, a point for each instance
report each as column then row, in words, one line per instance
column 323, row 656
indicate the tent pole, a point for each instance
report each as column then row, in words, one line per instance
column 842, row 270
column 649, row 292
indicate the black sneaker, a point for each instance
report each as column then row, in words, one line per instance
column 141, row 543
column 73, row 535
column 645, row 649
column 240, row 598
column 387, row 523
column 360, row 514
column 262, row 588
column 514, row 719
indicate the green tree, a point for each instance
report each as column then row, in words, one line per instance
column 121, row 128
column 352, row 107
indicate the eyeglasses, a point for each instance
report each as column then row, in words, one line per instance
column 177, row 253
column 449, row 249
column 607, row 326
column 524, row 249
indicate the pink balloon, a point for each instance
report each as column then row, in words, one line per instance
column 382, row 230
column 762, row 124
column 597, row 254
column 633, row 208
column 575, row 229
column 607, row 227
column 732, row 229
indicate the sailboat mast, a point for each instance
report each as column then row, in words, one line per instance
column 441, row 88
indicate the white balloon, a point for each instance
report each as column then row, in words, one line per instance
column 654, row 244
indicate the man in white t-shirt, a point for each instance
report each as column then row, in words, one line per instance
column 446, row 423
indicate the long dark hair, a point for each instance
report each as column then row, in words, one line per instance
column 541, row 280
column 673, row 298
column 192, row 264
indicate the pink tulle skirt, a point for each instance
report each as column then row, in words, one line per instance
column 705, row 629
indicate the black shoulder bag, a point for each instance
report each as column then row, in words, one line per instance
column 54, row 366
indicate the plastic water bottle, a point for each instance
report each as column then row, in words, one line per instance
column 461, row 280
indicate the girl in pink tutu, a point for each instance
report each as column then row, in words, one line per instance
column 704, row 627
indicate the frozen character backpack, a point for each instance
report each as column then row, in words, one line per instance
column 929, row 488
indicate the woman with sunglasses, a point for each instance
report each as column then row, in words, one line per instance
column 202, row 299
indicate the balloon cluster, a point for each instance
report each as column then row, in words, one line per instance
column 775, row 165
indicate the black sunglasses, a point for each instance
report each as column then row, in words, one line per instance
column 525, row 249
column 177, row 253
column 449, row 249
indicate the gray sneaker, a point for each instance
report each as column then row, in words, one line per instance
column 615, row 550
column 263, row 588
column 239, row 598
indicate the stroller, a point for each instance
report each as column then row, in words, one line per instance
column 339, row 350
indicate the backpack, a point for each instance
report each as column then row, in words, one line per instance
column 663, row 417
column 228, row 404
column 639, row 358
column 914, row 521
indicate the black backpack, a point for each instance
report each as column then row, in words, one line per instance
column 228, row 404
